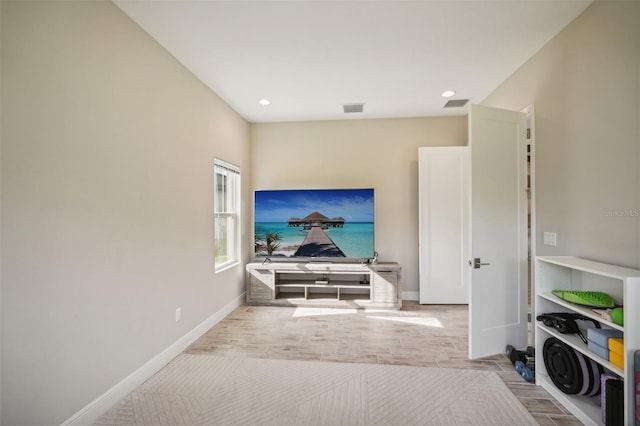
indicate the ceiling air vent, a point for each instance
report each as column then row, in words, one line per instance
column 349, row 108
column 456, row 103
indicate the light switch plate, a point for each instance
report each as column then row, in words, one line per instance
column 550, row 239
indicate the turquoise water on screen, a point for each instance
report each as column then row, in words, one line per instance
column 355, row 239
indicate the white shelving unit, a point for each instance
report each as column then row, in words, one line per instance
column 572, row 273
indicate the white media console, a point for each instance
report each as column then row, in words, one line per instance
column 326, row 284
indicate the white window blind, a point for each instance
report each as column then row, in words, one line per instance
column 226, row 207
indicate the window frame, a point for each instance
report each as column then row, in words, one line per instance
column 230, row 210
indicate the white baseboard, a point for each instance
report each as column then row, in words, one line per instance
column 411, row 295
column 90, row 413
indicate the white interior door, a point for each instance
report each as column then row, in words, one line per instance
column 444, row 193
column 498, row 231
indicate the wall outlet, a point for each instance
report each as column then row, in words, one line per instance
column 550, row 239
column 178, row 314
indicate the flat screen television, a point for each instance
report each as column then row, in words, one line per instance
column 331, row 224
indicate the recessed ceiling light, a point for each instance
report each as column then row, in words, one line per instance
column 264, row 102
column 448, row 93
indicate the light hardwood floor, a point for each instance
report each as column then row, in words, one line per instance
column 417, row 335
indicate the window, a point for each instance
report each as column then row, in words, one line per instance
column 226, row 209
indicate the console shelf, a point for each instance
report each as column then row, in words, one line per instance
column 324, row 284
column 572, row 273
column 309, row 286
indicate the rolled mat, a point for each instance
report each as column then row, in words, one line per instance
column 570, row 371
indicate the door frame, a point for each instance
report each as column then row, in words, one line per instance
column 531, row 124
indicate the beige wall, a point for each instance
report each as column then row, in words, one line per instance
column 379, row 154
column 585, row 85
column 107, row 152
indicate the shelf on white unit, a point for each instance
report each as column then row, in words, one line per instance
column 591, row 266
column 585, row 408
column 582, row 310
column 576, row 343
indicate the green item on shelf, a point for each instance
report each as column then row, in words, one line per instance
column 596, row 299
column 617, row 316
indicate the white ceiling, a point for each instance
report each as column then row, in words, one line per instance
column 310, row 57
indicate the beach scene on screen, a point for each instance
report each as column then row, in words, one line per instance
column 331, row 223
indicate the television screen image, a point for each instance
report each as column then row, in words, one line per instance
column 314, row 223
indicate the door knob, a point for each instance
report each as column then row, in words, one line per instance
column 477, row 263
